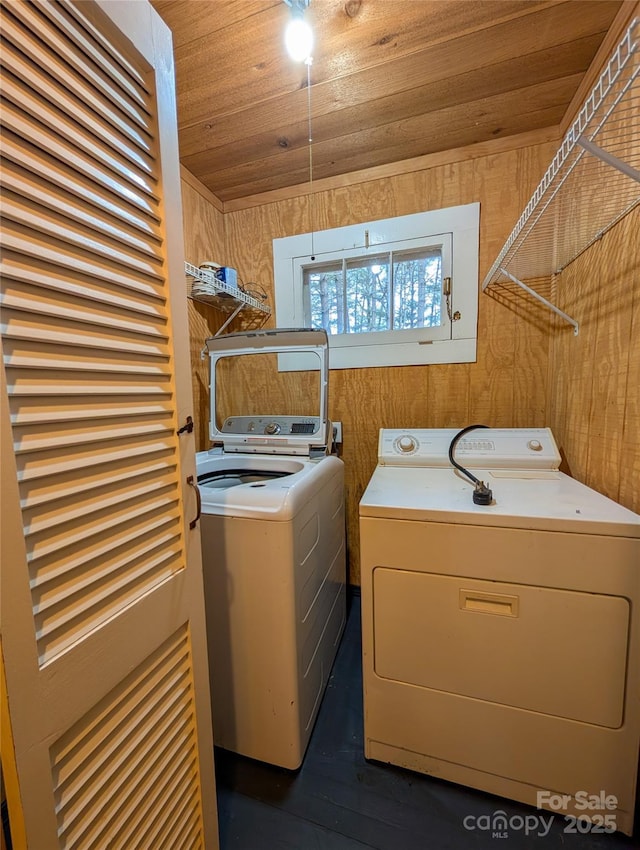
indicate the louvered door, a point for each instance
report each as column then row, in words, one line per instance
column 103, row 632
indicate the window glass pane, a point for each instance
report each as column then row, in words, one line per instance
column 367, row 294
column 360, row 302
column 417, row 289
column 324, row 297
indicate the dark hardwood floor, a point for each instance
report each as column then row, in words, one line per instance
column 340, row 801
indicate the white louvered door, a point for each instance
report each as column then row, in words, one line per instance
column 103, row 630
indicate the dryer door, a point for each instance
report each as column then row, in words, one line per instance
column 512, row 644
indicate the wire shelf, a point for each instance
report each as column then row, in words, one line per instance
column 592, row 182
column 210, row 290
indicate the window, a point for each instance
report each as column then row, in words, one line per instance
column 394, row 292
column 391, row 291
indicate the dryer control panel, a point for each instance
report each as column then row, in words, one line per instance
column 489, row 448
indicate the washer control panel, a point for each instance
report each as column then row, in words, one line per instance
column 271, row 426
column 489, row 448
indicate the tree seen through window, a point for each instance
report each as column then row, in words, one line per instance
column 391, row 291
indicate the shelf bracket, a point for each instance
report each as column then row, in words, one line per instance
column 609, row 158
column 542, row 300
column 229, row 319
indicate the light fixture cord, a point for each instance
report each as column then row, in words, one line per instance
column 309, row 62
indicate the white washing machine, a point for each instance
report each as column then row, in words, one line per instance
column 273, row 539
column 501, row 641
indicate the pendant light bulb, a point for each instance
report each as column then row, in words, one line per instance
column 298, row 39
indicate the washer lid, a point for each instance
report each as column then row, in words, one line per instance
column 289, row 352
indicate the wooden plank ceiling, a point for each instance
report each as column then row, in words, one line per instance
column 390, row 80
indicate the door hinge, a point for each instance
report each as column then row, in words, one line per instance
column 188, row 426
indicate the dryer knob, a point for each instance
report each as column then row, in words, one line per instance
column 406, row 444
column 272, row 428
column 535, row 445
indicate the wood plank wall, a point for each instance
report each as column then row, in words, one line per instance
column 203, row 226
column 593, row 398
column 506, row 387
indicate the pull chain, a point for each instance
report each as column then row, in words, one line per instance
column 309, row 62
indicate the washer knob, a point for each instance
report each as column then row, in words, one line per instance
column 535, row 445
column 272, row 428
column 406, row 444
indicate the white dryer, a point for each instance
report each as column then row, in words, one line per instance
column 501, row 641
column 273, row 540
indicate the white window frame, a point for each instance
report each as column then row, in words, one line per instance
column 292, row 254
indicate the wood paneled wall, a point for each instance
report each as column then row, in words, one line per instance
column 203, row 240
column 531, row 370
column 593, row 395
